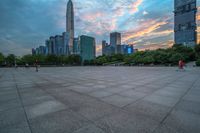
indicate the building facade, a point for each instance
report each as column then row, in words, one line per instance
column 107, row 49
column 59, row 45
column 115, row 39
column 33, row 51
column 70, row 24
column 104, row 44
column 87, row 48
column 66, row 43
column 185, row 22
column 53, row 45
column 48, row 47
column 42, row 50
column 129, row 49
column 76, row 47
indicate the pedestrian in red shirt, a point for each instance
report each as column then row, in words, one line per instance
column 181, row 64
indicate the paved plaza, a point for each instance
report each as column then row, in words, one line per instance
column 100, row 100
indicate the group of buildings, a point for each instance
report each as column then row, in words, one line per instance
column 185, row 32
column 67, row 44
column 115, row 46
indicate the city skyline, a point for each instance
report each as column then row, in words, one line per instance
column 135, row 19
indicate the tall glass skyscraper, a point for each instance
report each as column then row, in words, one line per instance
column 185, row 22
column 70, row 24
column 87, row 46
column 115, row 41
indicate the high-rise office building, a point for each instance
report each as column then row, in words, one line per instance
column 185, row 22
column 128, row 49
column 70, row 24
column 76, row 47
column 48, row 47
column 33, row 51
column 119, row 49
column 115, row 39
column 104, row 45
column 42, row 50
column 87, row 48
column 66, row 43
column 59, row 45
column 37, row 51
column 53, row 45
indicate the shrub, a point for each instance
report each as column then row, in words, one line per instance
column 198, row 62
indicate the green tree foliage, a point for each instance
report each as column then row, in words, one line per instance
column 101, row 60
column 197, row 51
column 28, row 59
column 170, row 56
column 10, row 59
column 50, row 60
column 2, row 58
column 157, row 57
column 74, row 60
column 198, row 62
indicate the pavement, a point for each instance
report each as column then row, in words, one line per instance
column 100, row 100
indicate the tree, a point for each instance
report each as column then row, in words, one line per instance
column 28, row 59
column 117, row 57
column 101, row 60
column 148, row 60
column 61, row 60
column 2, row 58
column 86, row 62
column 74, row 60
column 160, row 57
column 51, row 59
column 198, row 62
column 128, row 59
column 10, row 59
column 187, row 52
column 175, row 58
column 197, row 51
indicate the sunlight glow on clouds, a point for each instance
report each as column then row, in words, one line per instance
column 135, row 5
column 28, row 23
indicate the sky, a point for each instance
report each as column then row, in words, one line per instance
column 26, row 24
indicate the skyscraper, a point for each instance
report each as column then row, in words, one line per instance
column 48, row 47
column 104, row 47
column 53, row 45
column 59, row 45
column 66, row 43
column 70, row 24
column 33, row 51
column 88, row 48
column 185, row 22
column 115, row 40
column 76, row 48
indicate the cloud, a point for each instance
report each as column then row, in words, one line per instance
column 145, row 13
column 28, row 23
column 198, row 14
column 146, row 28
column 98, row 50
column 154, row 46
column 134, row 6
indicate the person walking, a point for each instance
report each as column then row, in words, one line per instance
column 181, row 65
column 36, row 65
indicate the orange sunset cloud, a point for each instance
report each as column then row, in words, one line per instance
column 141, row 32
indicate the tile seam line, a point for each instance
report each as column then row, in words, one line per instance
column 150, row 93
column 163, row 120
column 91, row 121
column 27, row 120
